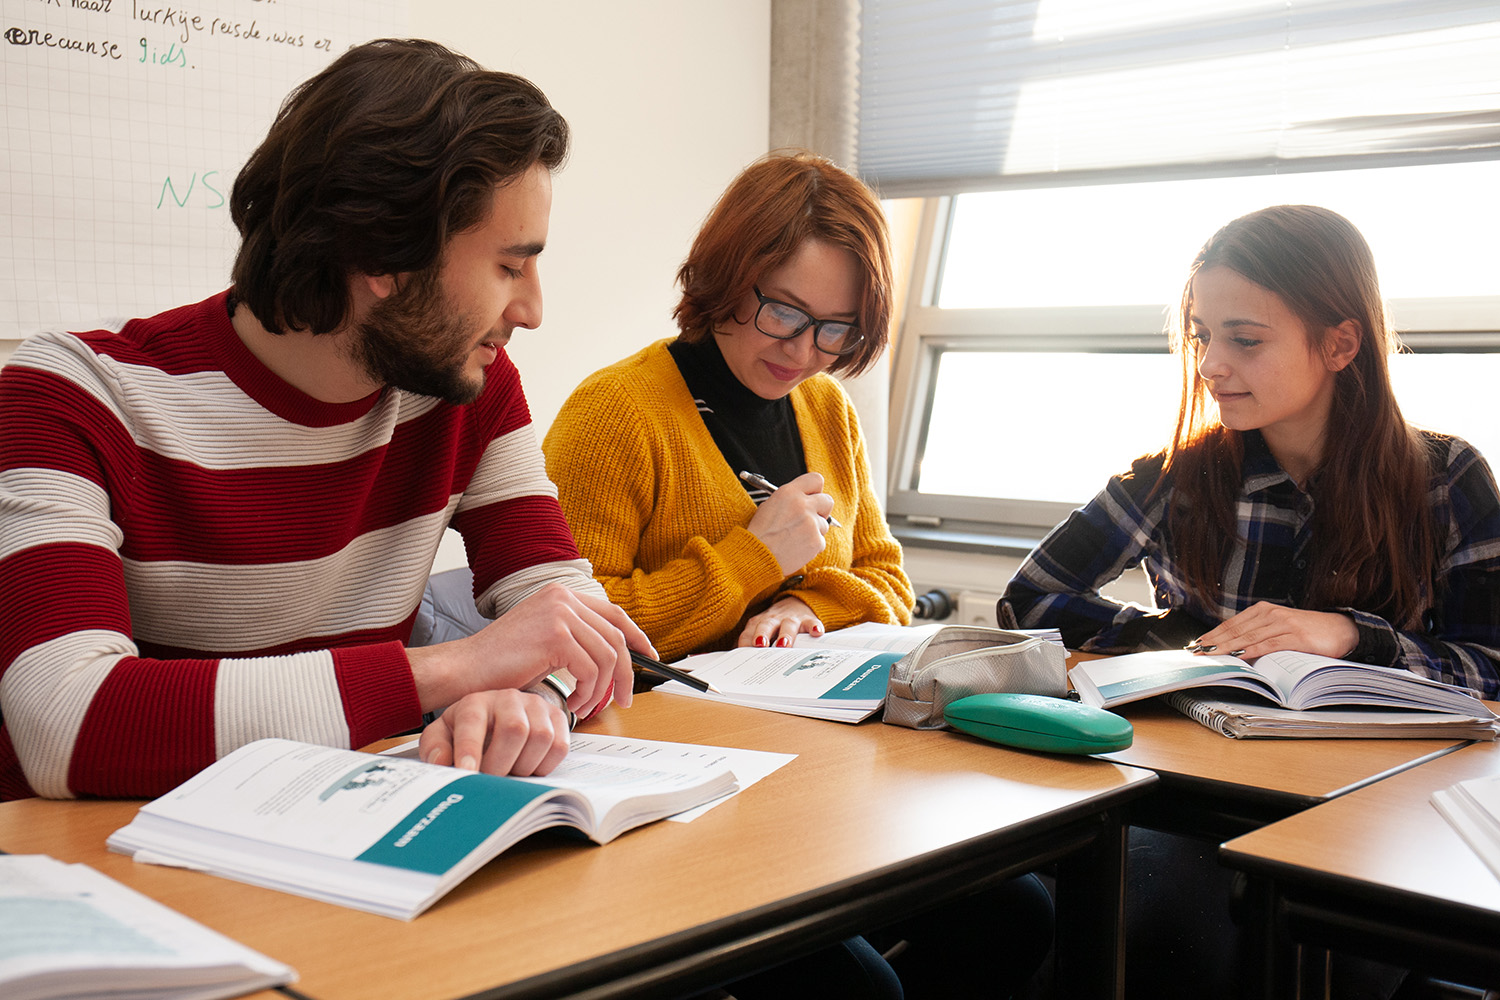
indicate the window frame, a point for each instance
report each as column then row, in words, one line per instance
column 988, row 524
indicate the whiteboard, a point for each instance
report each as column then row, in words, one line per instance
column 125, row 124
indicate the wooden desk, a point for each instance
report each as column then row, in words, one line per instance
column 1216, row 788
column 1212, row 788
column 868, row 823
column 1378, row 872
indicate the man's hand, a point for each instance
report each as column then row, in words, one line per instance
column 554, row 629
column 498, row 732
column 779, row 624
column 1265, row 628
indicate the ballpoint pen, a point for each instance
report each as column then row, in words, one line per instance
column 671, row 673
column 762, row 483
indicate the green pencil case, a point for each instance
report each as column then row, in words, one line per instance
column 1039, row 722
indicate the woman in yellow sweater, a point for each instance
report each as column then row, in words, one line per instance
column 789, row 280
column 656, row 461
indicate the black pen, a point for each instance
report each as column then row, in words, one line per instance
column 671, row 673
column 762, row 483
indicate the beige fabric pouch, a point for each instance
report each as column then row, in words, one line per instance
column 959, row 660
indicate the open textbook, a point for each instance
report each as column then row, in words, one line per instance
column 71, row 931
column 1245, row 716
column 846, row 685
column 1473, row 809
column 749, row 766
column 840, row 675
column 1290, row 679
column 391, row 835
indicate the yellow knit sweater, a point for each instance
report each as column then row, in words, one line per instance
column 662, row 516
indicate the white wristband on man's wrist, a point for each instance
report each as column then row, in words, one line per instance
column 564, row 690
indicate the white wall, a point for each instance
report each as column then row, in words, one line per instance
column 668, row 100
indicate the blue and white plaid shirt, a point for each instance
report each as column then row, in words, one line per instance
column 1459, row 642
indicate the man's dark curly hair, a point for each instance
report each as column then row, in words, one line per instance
column 371, row 166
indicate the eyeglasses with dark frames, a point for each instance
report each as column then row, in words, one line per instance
column 784, row 321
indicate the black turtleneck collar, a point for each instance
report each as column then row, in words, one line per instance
column 753, row 434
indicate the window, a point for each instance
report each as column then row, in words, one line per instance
column 1035, row 365
column 1072, row 157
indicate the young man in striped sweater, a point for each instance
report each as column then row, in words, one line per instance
column 216, row 523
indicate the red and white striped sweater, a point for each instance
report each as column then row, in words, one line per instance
column 194, row 554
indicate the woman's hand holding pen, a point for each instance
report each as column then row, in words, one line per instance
column 793, row 520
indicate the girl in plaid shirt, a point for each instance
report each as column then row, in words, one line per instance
column 1294, row 508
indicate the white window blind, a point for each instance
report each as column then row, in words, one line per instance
column 965, row 95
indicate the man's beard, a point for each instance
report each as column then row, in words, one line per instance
column 416, row 339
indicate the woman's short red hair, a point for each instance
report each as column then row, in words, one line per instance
column 777, row 204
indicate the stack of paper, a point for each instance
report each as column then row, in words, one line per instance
column 1473, row 809
column 70, row 931
column 1244, row 716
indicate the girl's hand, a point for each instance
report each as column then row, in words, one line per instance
column 1265, row 628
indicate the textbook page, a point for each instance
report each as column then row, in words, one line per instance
column 311, row 798
column 869, row 635
column 388, row 834
column 376, row 833
column 617, row 773
column 1291, row 679
column 748, row 766
column 846, row 685
column 71, row 931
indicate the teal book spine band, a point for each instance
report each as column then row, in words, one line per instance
column 445, row 828
column 868, row 682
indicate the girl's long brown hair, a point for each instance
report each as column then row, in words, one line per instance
column 1375, row 538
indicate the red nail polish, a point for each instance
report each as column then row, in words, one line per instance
column 760, row 640
column 783, row 641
